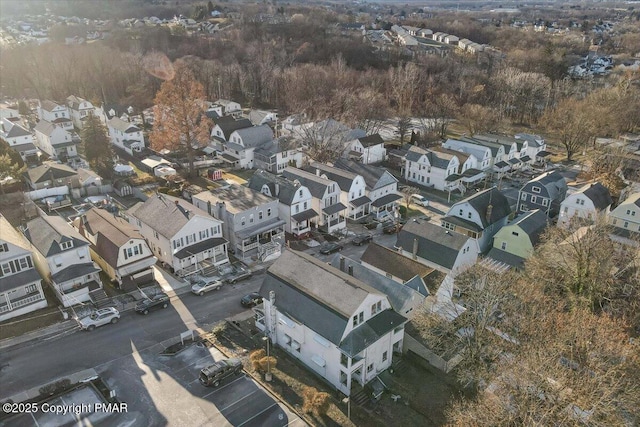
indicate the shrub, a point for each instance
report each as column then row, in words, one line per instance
column 267, row 362
column 314, row 401
column 55, row 387
column 255, row 358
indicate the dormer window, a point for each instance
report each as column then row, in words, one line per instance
column 66, row 245
column 535, row 189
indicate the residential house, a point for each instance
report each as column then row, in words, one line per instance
column 7, row 112
column 238, row 150
column 117, row 247
column 515, row 242
column 20, row 140
column 249, row 218
column 483, row 154
column 277, row 154
column 326, row 198
column 80, row 109
column 585, row 205
column 225, row 107
column 54, row 140
column 381, row 187
column 468, row 172
column 545, row 192
column 352, row 188
column 437, row 247
column 184, row 238
column 50, row 175
column 62, row 257
column 330, row 133
column 625, row 219
column 406, row 299
column 294, row 201
column 367, row 149
column 432, row 169
column 88, row 178
column 125, row 135
column 262, row 117
column 340, row 327
column 535, row 149
column 56, row 114
column 225, row 126
column 479, row 216
column 20, row 283
column 503, row 149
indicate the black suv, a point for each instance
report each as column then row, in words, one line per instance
column 361, row 239
column 251, row 300
column 155, row 302
column 213, row 374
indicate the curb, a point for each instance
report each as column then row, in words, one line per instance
column 39, row 334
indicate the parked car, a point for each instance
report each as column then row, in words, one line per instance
column 419, row 200
column 330, row 247
column 361, row 239
column 98, row 318
column 238, row 275
column 251, row 300
column 154, row 303
column 212, row 375
column 206, row 284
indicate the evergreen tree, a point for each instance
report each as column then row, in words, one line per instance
column 97, row 147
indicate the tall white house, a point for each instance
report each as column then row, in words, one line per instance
column 585, row 205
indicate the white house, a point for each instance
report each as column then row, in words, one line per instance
column 479, row 216
column 55, row 113
column 585, row 205
column 326, row 198
column 381, row 187
column 56, row 141
column 482, row 153
column 277, row 154
column 249, row 218
column 125, row 135
column 432, row 169
column 225, row 107
column 225, row 126
column 625, row 218
column 294, row 201
column 262, row 117
column 117, row 247
column 80, row 109
column 343, row 329
column 353, row 191
column 62, row 257
column 367, row 149
column 238, row 150
column 20, row 283
column 20, row 140
column 183, row 237
column 535, row 149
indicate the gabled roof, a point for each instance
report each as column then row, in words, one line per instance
column 85, row 174
column 440, row 159
column 371, row 140
column 16, row 131
column 257, row 116
column 46, row 233
column 435, row 243
column 533, row 140
column 112, row 232
column 393, row 262
column 323, row 298
column 166, row 214
column 237, row 198
column 478, row 151
column 316, row 185
column 374, row 176
column 505, row 257
column 228, row 125
column 45, row 172
column 481, row 201
column 10, row 235
column 533, row 223
column 415, row 153
column 598, row 194
column 123, row 126
column 48, row 105
column 462, row 157
column 45, row 127
column 255, row 135
column 553, row 181
column 75, row 101
column 281, row 188
column 342, row 177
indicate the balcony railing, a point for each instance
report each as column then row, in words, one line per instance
column 21, row 302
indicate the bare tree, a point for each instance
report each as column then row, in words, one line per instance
column 324, row 141
column 571, row 124
column 478, row 118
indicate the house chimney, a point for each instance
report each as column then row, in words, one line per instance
column 414, row 252
column 341, row 263
column 489, row 210
column 351, row 270
column 177, row 203
column 317, row 172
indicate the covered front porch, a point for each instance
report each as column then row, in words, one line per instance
column 194, row 258
column 385, row 205
column 301, row 222
column 333, row 218
column 359, row 207
column 261, row 234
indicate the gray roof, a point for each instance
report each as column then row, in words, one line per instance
column 435, row 243
column 46, row 233
column 73, row 271
column 533, row 140
column 255, row 135
column 11, row 235
column 481, row 201
column 275, row 146
column 45, row 127
column 323, row 298
column 49, row 105
column 415, row 153
column 371, row 331
column 279, row 187
column 599, row 195
column 553, row 181
column 123, row 126
column 19, row 280
column 371, row 140
column 257, row 116
column 374, row 176
column 342, row 177
column 506, row 258
column 400, row 296
column 316, row 185
column 237, row 198
column 467, row 147
column 440, row 158
column 16, row 131
column 45, row 172
column 166, row 214
column 533, row 223
column 393, row 262
column 228, row 125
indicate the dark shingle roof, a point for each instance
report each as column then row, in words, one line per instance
column 415, row 153
column 44, row 173
column 16, row 131
column 374, row 176
column 599, row 195
column 553, row 181
column 506, row 258
column 435, row 244
column 481, row 201
column 316, row 185
column 394, row 262
column 228, row 125
column 371, row 331
column 342, row 177
column 255, row 135
column 371, row 140
column 237, row 198
column 533, row 223
column 47, row 232
column 73, row 271
column 19, row 280
column 279, row 187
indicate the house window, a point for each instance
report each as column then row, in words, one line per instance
column 515, row 233
column 503, row 246
column 66, row 245
column 626, row 224
column 295, row 345
column 260, row 215
column 30, row 289
column 523, row 196
column 155, row 234
column 469, row 215
column 23, row 263
column 535, row 190
column 376, row 308
column 287, row 339
column 384, row 356
column 545, row 202
column 355, row 320
column 566, row 209
column 344, row 360
column 6, row 269
column 251, row 219
column 534, row 199
column 628, row 211
column 369, row 368
column 243, row 220
column 361, row 317
column 580, row 202
column 461, row 212
column 269, row 212
column 633, row 213
column 343, row 378
column 300, row 193
column 4, row 248
column 297, row 208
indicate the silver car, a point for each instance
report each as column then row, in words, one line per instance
column 206, row 284
column 99, row 318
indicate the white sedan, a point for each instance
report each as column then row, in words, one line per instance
column 206, row 284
